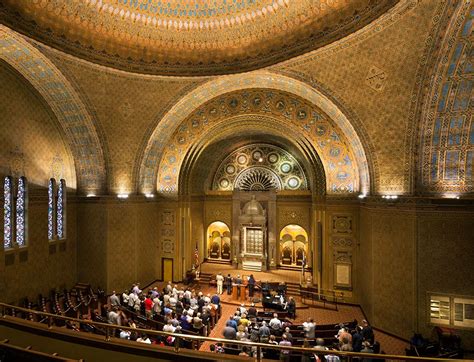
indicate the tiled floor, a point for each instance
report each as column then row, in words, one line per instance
column 345, row 313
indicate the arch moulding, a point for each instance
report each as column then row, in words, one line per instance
column 262, row 80
column 65, row 103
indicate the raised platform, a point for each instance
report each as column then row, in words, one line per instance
column 252, row 265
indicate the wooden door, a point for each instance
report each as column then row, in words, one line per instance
column 167, row 269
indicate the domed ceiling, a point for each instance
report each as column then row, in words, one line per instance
column 189, row 37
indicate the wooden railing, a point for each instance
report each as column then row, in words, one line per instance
column 327, row 299
column 7, row 310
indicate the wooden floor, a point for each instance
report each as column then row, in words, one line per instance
column 345, row 313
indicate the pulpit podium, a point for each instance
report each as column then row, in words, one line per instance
column 242, row 297
column 234, row 291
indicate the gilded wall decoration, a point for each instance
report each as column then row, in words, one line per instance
column 167, row 228
column 298, row 215
column 322, row 111
column 65, row 103
column 283, row 166
column 330, row 142
column 376, row 78
column 447, row 158
column 342, row 224
column 341, row 242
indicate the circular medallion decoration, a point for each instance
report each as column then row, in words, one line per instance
column 293, row 182
column 230, row 169
column 257, row 179
column 224, row 183
column 242, row 159
column 257, row 155
column 273, row 158
column 285, row 167
column 259, row 167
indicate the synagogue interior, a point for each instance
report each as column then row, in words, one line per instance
column 290, row 174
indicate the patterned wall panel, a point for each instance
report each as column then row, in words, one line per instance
column 448, row 126
column 168, row 231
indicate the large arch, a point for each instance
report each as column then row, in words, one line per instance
column 265, row 81
column 446, row 146
column 61, row 97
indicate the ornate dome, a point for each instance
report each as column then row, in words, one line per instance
column 253, row 208
column 189, row 37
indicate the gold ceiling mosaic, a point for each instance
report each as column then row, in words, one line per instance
column 189, row 37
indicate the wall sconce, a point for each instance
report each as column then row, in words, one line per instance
column 122, row 196
column 390, row 197
column 149, row 196
column 362, row 196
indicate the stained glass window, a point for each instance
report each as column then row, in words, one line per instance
column 21, row 212
column 60, row 203
column 7, row 211
column 51, row 186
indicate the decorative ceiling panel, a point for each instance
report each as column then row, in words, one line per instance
column 189, row 37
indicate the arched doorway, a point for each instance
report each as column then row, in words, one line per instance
column 218, row 241
column 293, row 245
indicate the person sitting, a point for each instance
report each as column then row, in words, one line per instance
column 320, row 345
column 144, row 339
column 124, row 334
column 244, row 352
column 344, row 335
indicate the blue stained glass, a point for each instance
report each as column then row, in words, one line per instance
column 7, row 211
column 51, row 185
column 21, row 212
column 60, row 209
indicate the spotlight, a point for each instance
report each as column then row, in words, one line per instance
column 90, row 195
column 260, row 159
column 362, row 196
column 122, row 196
column 149, row 196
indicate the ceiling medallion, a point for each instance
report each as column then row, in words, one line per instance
column 257, row 179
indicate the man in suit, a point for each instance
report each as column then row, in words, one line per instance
column 228, row 284
column 251, row 283
column 238, row 281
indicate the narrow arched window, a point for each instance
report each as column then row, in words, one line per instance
column 51, row 208
column 60, row 209
column 21, row 209
column 7, row 212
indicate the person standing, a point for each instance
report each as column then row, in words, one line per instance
column 251, row 283
column 220, row 282
column 228, row 284
column 238, row 282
